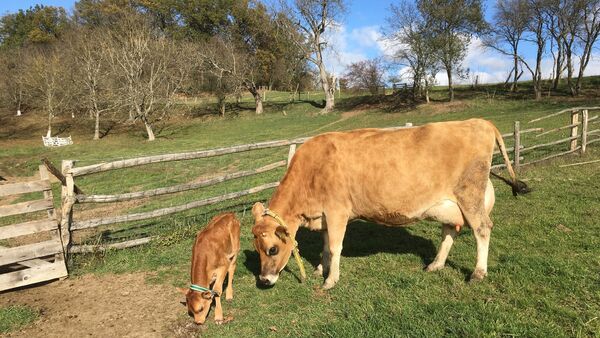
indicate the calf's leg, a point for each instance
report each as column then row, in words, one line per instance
column 218, row 287
column 230, row 272
column 448, row 235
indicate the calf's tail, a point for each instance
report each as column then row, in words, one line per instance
column 518, row 187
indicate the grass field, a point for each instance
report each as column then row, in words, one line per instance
column 544, row 264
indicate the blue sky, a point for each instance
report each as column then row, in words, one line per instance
column 358, row 37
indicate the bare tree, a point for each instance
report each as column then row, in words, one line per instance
column 233, row 68
column 12, row 82
column 537, row 35
column 47, row 81
column 313, row 18
column 93, row 73
column 366, row 74
column 588, row 35
column 150, row 67
column 510, row 23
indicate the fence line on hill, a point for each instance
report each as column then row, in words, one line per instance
column 578, row 141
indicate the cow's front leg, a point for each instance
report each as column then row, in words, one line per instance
column 336, row 228
column 448, row 235
column 230, row 272
column 323, row 268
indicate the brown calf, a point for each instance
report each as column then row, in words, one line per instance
column 214, row 256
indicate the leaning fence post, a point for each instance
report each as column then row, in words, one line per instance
column 291, row 153
column 574, row 122
column 67, row 201
column 584, row 130
column 517, row 151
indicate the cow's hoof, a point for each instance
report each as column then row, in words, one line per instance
column 434, row 267
column 228, row 297
column 328, row 285
column 478, row 275
column 318, row 271
column 219, row 321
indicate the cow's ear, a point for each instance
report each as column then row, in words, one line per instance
column 183, row 290
column 207, row 295
column 257, row 210
column 282, row 233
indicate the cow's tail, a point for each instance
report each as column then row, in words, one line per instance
column 518, row 187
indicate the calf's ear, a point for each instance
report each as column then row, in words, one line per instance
column 183, row 290
column 207, row 295
column 282, row 233
column 257, row 210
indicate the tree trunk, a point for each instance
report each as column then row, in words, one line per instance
column 258, row 101
column 97, row 127
column 450, row 85
column 559, row 65
column 49, row 133
column 148, row 129
column 327, row 89
column 513, row 88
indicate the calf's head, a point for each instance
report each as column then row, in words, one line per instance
column 198, row 304
column 273, row 243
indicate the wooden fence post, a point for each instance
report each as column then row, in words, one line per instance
column 51, row 214
column 67, row 201
column 584, row 130
column 517, row 150
column 291, row 153
column 574, row 121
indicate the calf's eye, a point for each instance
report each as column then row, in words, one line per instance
column 273, row 251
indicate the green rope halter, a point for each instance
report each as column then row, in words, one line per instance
column 199, row 288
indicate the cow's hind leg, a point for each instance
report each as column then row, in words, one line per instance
column 336, row 228
column 323, row 268
column 471, row 196
column 448, row 213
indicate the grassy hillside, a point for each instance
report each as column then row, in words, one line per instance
column 544, row 259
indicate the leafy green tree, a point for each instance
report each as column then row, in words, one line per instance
column 36, row 25
column 453, row 23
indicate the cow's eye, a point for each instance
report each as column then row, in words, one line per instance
column 273, row 251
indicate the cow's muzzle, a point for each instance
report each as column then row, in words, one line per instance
column 268, row 280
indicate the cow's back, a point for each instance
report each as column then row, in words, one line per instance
column 380, row 174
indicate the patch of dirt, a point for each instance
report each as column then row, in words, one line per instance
column 101, row 306
column 444, row 107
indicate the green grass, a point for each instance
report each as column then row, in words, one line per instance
column 12, row 318
column 544, row 264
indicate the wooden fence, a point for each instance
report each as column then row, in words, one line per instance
column 26, row 260
column 580, row 136
column 70, row 195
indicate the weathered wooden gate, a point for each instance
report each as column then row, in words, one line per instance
column 31, row 251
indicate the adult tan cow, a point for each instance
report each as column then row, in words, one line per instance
column 438, row 171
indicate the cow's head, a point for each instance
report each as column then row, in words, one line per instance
column 273, row 243
column 198, row 304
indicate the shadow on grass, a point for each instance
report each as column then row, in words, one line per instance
column 362, row 239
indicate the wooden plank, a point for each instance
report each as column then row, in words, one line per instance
column 508, row 150
column 24, row 207
column 175, row 157
column 291, row 153
column 584, row 130
column 593, row 141
column 503, row 165
column 562, row 112
column 575, row 123
column 24, row 187
column 77, row 225
column 551, row 156
column 526, row 131
column 578, row 164
column 29, row 251
column 32, row 275
column 27, row 228
column 102, row 248
column 557, row 129
column 177, row 188
column 564, row 140
column 517, row 147
column 59, row 175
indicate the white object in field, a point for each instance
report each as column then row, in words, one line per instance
column 72, row 115
column 18, row 112
column 408, row 124
column 57, row 141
